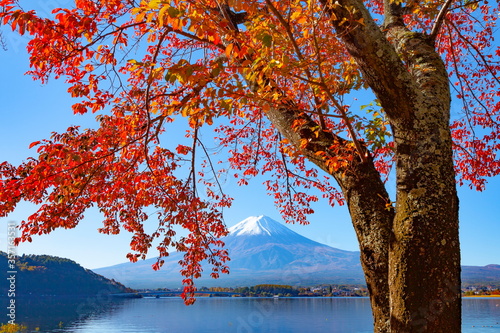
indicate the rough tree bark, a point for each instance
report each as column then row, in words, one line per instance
column 424, row 258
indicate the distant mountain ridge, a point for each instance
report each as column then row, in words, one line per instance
column 263, row 250
column 489, row 274
column 40, row 275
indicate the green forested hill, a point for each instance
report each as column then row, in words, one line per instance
column 49, row 275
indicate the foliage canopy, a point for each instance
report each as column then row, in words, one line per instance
column 141, row 66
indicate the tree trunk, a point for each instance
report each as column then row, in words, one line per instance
column 410, row 80
column 413, row 273
column 424, row 258
column 410, row 256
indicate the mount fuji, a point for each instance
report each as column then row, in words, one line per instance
column 262, row 250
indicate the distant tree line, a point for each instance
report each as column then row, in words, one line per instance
column 270, row 290
column 481, row 290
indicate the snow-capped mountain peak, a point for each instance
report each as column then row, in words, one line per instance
column 257, row 225
column 262, row 250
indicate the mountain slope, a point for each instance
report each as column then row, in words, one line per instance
column 261, row 251
column 49, row 275
column 489, row 274
column 262, row 243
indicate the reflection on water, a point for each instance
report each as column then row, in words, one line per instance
column 50, row 312
column 481, row 315
column 337, row 315
column 234, row 315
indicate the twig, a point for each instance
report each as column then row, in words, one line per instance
column 439, row 20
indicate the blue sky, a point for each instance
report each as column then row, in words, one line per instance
column 30, row 111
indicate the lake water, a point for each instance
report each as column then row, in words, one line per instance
column 239, row 315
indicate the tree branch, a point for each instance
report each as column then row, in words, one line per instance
column 382, row 68
column 439, row 20
column 322, row 84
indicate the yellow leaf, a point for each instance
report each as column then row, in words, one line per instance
column 302, row 20
column 136, row 10
column 161, row 15
column 295, row 15
column 229, row 50
column 156, row 73
column 140, row 16
column 154, row 4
